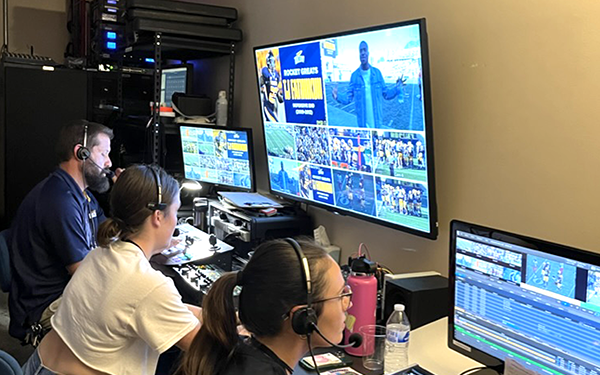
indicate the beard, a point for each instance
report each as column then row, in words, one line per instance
column 95, row 178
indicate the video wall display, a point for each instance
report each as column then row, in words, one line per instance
column 217, row 156
column 347, row 124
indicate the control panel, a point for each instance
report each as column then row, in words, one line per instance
column 201, row 277
column 191, row 245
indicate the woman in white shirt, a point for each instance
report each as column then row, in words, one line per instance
column 117, row 314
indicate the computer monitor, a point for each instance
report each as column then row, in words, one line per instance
column 517, row 297
column 222, row 157
column 347, row 120
column 175, row 78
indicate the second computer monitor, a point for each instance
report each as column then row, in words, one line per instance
column 219, row 156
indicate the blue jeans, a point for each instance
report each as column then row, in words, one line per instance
column 34, row 366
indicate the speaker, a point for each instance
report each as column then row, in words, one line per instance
column 425, row 298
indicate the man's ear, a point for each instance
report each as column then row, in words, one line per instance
column 75, row 149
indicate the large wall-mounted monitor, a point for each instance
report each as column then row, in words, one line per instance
column 222, row 157
column 517, row 297
column 347, row 124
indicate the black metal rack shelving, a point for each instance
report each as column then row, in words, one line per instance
column 164, row 47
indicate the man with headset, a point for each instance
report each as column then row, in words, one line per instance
column 56, row 226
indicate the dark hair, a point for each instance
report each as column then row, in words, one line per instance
column 273, row 283
column 72, row 134
column 129, row 198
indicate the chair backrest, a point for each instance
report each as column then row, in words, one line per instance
column 9, row 365
column 5, row 277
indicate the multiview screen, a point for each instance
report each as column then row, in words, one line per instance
column 526, row 299
column 347, row 124
column 218, row 156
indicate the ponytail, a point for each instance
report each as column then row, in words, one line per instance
column 108, row 232
column 211, row 348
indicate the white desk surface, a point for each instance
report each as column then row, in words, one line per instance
column 429, row 348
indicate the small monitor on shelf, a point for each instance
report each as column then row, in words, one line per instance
column 515, row 297
column 175, row 78
column 221, row 157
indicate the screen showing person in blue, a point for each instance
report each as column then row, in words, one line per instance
column 374, row 80
column 347, row 126
column 216, row 156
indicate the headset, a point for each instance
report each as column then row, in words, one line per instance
column 158, row 205
column 304, row 320
column 83, row 153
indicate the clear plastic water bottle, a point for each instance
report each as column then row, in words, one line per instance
column 221, row 108
column 397, row 331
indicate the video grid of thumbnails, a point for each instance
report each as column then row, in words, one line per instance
column 216, row 156
column 373, row 172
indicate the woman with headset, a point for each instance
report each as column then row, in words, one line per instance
column 293, row 294
column 117, row 313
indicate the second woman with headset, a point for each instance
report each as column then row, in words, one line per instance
column 290, row 290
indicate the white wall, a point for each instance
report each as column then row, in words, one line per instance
column 515, row 88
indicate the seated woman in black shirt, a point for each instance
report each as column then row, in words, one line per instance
column 288, row 288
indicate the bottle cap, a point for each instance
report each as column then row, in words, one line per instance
column 398, row 307
column 222, row 94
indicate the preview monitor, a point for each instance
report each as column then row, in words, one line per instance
column 522, row 298
column 348, row 126
column 219, row 156
column 174, row 79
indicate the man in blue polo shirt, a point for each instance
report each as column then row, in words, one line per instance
column 56, row 226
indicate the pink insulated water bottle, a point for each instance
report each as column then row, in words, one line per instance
column 362, row 312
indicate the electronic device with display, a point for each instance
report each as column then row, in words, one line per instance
column 348, row 125
column 222, row 157
column 518, row 297
column 177, row 78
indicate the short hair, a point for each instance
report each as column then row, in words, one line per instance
column 72, row 134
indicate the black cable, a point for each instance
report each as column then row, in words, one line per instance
column 312, row 354
column 472, row 370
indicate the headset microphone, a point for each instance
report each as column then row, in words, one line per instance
column 355, row 340
column 110, row 174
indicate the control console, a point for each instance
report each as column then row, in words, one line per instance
column 201, row 277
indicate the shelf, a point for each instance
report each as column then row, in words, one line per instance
column 178, row 48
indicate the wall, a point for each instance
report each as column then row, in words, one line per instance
column 515, row 85
column 41, row 24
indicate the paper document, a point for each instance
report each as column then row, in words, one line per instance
column 248, row 200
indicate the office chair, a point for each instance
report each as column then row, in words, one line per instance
column 9, row 365
column 5, row 277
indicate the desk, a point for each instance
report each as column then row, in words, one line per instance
column 428, row 347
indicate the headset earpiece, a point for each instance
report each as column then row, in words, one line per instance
column 83, row 153
column 304, row 319
column 158, row 205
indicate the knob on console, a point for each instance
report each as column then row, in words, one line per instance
column 212, row 240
